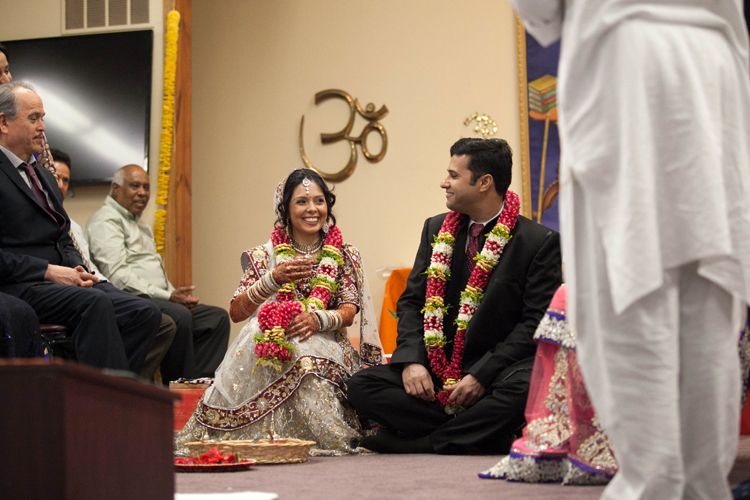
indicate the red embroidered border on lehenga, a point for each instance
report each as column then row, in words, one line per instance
column 371, row 354
column 273, row 396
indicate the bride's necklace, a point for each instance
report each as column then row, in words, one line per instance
column 308, row 250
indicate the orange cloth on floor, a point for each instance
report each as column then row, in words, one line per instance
column 184, row 409
column 394, row 287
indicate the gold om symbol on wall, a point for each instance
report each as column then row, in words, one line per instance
column 368, row 114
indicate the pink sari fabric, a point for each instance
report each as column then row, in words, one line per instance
column 563, row 440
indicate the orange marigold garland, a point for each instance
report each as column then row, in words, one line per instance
column 167, row 127
column 438, row 274
column 274, row 317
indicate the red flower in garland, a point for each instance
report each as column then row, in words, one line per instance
column 274, row 317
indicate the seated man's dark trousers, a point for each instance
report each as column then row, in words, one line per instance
column 489, row 426
column 200, row 343
column 110, row 328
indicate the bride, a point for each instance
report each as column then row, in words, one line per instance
column 287, row 370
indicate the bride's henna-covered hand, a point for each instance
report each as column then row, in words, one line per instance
column 347, row 311
column 241, row 308
column 304, row 324
column 293, row 270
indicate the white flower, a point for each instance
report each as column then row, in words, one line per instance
column 327, row 278
column 437, row 266
column 283, row 258
column 463, row 317
column 435, row 313
column 442, row 247
column 433, row 333
column 328, row 261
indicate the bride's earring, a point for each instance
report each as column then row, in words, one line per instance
column 326, row 227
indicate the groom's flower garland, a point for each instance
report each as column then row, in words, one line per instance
column 274, row 317
column 438, row 275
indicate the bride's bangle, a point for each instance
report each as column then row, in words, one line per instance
column 336, row 320
column 328, row 320
column 323, row 321
column 317, row 321
column 262, row 289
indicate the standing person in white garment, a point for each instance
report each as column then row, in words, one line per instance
column 654, row 101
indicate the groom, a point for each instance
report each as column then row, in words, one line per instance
column 498, row 354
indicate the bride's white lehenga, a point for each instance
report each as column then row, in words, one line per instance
column 307, row 398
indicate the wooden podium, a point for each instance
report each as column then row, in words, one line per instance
column 73, row 432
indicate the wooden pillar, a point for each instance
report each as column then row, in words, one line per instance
column 178, row 250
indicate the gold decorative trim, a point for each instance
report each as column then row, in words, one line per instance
column 523, row 116
column 485, row 126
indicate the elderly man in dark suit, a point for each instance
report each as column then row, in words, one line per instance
column 38, row 260
column 484, row 402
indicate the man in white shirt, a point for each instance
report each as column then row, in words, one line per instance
column 124, row 249
column 654, row 99
column 167, row 329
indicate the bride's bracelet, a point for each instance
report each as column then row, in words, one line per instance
column 336, row 320
column 262, row 289
column 322, row 319
column 328, row 320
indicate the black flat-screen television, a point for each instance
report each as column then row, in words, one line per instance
column 96, row 91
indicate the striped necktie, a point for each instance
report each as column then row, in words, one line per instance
column 473, row 248
column 36, row 188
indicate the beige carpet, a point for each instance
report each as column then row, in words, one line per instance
column 413, row 477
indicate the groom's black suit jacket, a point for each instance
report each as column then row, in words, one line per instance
column 29, row 238
column 518, row 293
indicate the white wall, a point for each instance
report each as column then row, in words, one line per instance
column 256, row 69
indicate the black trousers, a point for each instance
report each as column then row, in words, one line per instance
column 19, row 329
column 110, row 328
column 200, row 343
column 487, row 427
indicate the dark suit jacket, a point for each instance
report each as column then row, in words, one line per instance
column 29, row 238
column 519, row 291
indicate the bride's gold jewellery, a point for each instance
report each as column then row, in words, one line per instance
column 306, row 182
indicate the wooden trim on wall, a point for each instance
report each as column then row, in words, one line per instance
column 178, row 248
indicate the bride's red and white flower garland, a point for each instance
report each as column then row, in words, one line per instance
column 275, row 316
column 438, row 274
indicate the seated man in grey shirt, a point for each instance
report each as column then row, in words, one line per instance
column 123, row 247
column 167, row 329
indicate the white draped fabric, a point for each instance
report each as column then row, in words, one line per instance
column 654, row 101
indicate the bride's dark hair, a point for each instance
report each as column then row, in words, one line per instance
column 294, row 180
